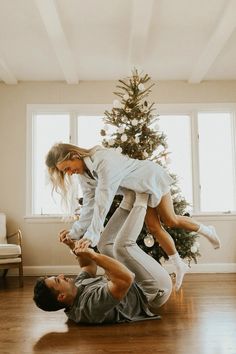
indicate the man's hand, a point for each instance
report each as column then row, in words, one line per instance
column 81, row 248
column 86, row 256
column 64, row 238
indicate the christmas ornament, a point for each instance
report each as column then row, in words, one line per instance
column 149, row 240
column 141, row 87
column 124, row 119
column 119, row 150
column 124, row 137
column 194, row 248
column 134, row 122
column 116, row 104
column 121, row 130
column 111, row 142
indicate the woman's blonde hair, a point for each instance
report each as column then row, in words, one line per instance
column 58, row 153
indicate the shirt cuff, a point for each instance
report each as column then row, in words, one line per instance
column 93, row 238
column 75, row 234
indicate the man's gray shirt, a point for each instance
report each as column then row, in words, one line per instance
column 95, row 304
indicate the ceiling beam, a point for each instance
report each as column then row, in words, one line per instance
column 216, row 43
column 140, row 26
column 51, row 20
column 5, row 73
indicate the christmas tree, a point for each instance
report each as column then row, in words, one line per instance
column 131, row 128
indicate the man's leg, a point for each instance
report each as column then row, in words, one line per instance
column 149, row 274
column 106, row 242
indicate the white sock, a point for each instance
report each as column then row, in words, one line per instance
column 210, row 233
column 141, row 199
column 180, row 269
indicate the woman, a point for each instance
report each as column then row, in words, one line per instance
column 105, row 172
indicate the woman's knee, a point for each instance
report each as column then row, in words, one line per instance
column 171, row 221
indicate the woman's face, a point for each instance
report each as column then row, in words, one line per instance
column 71, row 166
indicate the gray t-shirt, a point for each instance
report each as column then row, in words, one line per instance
column 95, row 304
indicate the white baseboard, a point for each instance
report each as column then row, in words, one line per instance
column 73, row 269
column 207, row 268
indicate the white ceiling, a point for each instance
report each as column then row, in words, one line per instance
column 73, row 40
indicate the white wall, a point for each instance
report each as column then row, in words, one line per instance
column 42, row 252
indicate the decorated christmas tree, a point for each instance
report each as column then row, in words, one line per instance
column 131, row 127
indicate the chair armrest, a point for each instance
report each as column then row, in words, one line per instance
column 18, row 233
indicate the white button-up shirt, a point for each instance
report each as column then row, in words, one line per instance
column 113, row 172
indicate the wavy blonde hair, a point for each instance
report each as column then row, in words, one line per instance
column 60, row 152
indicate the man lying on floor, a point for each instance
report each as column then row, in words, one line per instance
column 134, row 287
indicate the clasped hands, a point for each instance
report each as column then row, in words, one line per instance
column 78, row 247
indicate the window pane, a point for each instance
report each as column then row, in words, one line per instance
column 216, row 162
column 88, row 134
column 89, row 131
column 47, row 130
column 178, row 131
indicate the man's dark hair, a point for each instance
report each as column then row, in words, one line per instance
column 46, row 298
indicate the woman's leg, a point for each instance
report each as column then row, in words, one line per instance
column 153, row 225
column 149, row 274
column 167, row 214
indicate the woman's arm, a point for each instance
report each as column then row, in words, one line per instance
column 80, row 226
column 109, row 178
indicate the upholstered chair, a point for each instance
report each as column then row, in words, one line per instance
column 10, row 250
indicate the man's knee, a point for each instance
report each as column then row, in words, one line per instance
column 120, row 248
column 105, row 248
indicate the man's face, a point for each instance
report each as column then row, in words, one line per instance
column 64, row 286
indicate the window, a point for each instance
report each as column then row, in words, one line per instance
column 216, row 163
column 200, row 138
column 88, row 131
column 177, row 128
column 46, row 127
column 44, row 136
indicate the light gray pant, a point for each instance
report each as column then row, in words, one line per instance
column 118, row 240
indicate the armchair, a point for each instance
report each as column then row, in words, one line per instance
column 10, row 253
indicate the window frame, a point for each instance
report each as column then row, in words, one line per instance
column 193, row 109
column 74, row 110
column 190, row 109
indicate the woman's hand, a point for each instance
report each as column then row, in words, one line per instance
column 64, row 238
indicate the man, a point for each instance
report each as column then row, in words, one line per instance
column 136, row 285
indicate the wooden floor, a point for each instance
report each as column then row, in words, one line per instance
column 200, row 319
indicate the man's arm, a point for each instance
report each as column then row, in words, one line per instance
column 120, row 277
column 86, row 263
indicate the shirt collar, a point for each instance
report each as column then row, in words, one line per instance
column 88, row 162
